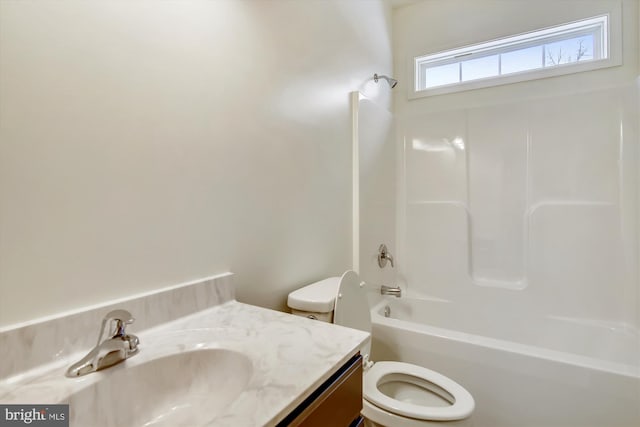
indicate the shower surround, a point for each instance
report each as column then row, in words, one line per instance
column 526, row 208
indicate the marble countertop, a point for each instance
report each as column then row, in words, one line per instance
column 290, row 355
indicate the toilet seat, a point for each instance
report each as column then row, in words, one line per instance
column 462, row 405
column 352, row 310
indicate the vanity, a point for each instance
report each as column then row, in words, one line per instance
column 203, row 359
column 337, row 402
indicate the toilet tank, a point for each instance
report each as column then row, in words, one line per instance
column 316, row 300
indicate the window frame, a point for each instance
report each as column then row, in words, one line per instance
column 606, row 28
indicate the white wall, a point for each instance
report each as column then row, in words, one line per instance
column 146, row 143
column 538, row 213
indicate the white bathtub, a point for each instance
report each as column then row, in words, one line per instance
column 562, row 372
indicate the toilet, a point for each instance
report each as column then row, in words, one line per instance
column 395, row 394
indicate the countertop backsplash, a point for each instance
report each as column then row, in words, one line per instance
column 26, row 346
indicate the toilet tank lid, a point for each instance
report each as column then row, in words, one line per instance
column 318, row 297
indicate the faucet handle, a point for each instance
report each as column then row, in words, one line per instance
column 117, row 320
column 119, row 315
column 384, row 256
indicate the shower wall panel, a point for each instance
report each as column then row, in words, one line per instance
column 536, row 197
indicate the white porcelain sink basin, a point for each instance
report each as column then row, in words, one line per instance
column 184, row 389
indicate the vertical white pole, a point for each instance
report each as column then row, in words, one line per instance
column 355, row 181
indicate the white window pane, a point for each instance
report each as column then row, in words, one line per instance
column 442, row 75
column 520, row 57
column 568, row 51
column 480, row 68
column 522, row 60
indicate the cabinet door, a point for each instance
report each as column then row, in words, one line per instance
column 336, row 403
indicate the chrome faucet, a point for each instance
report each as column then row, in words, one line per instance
column 391, row 290
column 114, row 345
column 384, row 256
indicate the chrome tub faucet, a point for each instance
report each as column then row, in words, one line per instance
column 114, row 345
column 391, row 290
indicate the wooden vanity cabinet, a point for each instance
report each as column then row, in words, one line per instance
column 336, row 403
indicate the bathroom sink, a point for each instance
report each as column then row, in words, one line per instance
column 184, row 389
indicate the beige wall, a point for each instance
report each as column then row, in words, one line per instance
column 146, row 143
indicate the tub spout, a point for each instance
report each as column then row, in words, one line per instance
column 391, row 290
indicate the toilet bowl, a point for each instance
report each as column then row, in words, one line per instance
column 405, row 395
column 395, row 394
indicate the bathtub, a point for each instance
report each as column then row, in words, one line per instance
column 562, row 372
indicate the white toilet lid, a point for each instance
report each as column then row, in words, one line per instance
column 461, row 408
column 352, row 309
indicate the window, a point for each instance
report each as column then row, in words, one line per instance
column 551, row 51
